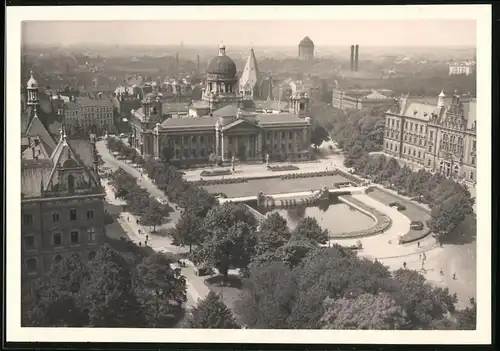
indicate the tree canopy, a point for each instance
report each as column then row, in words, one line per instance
column 211, row 313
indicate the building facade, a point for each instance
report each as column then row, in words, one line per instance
column 62, row 201
column 359, row 99
column 437, row 137
column 306, row 49
column 89, row 115
column 226, row 126
column 464, row 68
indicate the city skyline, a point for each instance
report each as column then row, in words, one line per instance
column 392, row 33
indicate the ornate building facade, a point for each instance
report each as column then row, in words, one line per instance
column 437, row 137
column 306, row 49
column 62, row 201
column 224, row 124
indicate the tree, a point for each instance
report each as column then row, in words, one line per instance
column 269, row 299
column 274, row 232
column 367, row 311
column 211, row 313
column 318, row 135
column 467, row 318
column 160, row 290
column 227, row 248
column 188, row 230
column 54, row 298
column 109, row 286
column 309, row 228
column 155, row 214
column 449, row 214
column 227, row 215
column 421, row 302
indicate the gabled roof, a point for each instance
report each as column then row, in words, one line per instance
column 227, row 111
column 34, row 173
column 64, row 156
column 421, row 111
column 37, row 129
column 250, row 76
column 238, row 122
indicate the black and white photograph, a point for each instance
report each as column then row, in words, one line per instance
column 301, row 169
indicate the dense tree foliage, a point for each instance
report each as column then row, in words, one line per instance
column 309, row 229
column 211, row 313
column 450, row 201
column 366, row 311
column 107, row 291
column 333, row 288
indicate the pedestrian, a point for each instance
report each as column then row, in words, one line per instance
column 128, row 219
column 441, row 272
column 454, row 276
column 140, row 244
column 420, row 256
column 418, row 243
column 136, row 221
column 147, row 237
column 472, row 301
column 404, row 265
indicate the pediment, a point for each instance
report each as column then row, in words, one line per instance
column 241, row 124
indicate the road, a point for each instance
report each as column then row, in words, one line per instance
column 196, row 288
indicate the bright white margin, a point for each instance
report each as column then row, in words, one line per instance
column 481, row 13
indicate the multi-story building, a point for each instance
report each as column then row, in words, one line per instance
column 464, row 68
column 231, row 129
column 361, row 98
column 62, row 200
column 89, row 115
column 437, row 137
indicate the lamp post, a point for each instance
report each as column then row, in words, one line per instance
column 267, row 161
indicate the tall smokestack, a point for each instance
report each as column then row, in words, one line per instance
column 356, row 58
column 352, row 57
column 198, row 62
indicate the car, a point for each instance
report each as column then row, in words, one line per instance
column 416, row 225
column 203, row 271
column 397, row 206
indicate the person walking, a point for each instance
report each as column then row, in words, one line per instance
column 454, row 276
column 418, row 243
column 404, row 265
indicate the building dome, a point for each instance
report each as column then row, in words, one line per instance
column 222, row 65
column 32, row 83
column 307, row 42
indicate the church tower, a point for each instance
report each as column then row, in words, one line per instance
column 441, row 97
column 249, row 81
column 32, row 89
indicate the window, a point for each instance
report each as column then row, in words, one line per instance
column 72, row 215
column 29, row 242
column 473, row 161
column 57, row 239
column 414, row 152
column 74, row 237
column 419, row 154
column 428, row 162
column 90, row 214
column 474, row 145
column 71, row 183
column 91, row 235
column 430, row 148
column 28, row 219
column 404, row 150
column 471, row 175
column 55, row 217
column 395, row 148
column 31, row 265
column 386, row 145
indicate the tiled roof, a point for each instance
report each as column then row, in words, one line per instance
column 86, row 101
column 250, row 73
column 420, row 111
column 189, row 122
column 171, row 107
column 271, row 105
column 280, row 118
column 226, row 111
column 36, row 128
column 34, row 173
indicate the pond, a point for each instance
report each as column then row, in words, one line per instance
column 337, row 217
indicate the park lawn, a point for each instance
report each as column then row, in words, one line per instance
column 412, row 211
column 275, row 185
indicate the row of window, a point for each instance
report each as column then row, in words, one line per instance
column 96, row 109
column 72, row 215
column 32, row 262
column 57, row 239
column 276, row 135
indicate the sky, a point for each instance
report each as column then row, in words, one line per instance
column 251, row 32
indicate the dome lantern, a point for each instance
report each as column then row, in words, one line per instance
column 32, row 83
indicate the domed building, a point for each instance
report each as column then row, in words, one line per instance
column 224, row 125
column 306, row 49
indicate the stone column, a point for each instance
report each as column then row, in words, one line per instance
column 223, row 146
column 259, row 145
column 248, row 146
column 217, row 149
